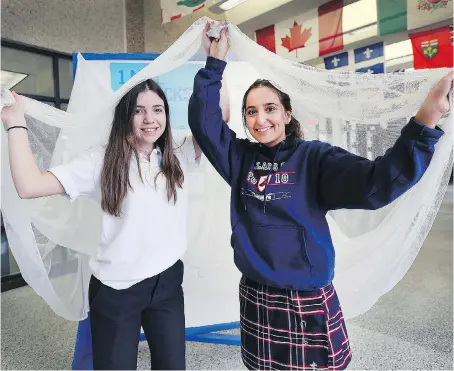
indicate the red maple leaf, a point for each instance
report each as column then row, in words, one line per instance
column 297, row 38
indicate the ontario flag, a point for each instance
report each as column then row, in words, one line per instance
column 433, row 48
column 307, row 36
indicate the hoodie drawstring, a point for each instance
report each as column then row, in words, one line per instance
column 268, row 175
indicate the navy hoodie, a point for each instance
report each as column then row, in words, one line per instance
column 280, row 195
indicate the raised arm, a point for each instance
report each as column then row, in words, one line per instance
column 353, row 182
column 225, row 109
column 349, row 181
column 224, row 98
column 213, row 49
column 29, row 181
column 217, row 141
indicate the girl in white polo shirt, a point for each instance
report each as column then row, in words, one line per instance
column 138, row 178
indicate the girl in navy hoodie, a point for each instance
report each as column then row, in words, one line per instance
column 281, row 189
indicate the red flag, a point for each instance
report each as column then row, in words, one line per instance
column 432, row 49
column 266, row 38
column 330, row 27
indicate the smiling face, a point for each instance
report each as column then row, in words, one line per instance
column 265, row 117
column 148, row 119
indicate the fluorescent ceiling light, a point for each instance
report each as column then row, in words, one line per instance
column 400, row 60
column 10, row 79
column 399, row 49
column 231, row 4
column 358, row 15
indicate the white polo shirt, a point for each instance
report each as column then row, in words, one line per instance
column 150, row 235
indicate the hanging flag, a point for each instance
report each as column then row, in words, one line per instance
column 307, row 36
column 297, row 38
column 336, row 61
column 433, row 48
column 369, row 52
column 391, row 16
column 375, row 68
column 370, row 59
column 266, row 38
column 330, row 27
column 175, row 9
column 401, row 15
column 425, row 12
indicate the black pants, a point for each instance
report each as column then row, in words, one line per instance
column 156, row 304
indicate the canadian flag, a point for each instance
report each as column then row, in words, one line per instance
column 307, row 36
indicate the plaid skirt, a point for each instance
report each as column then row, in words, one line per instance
column 291, row 329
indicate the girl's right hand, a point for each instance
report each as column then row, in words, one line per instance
column 14, row 115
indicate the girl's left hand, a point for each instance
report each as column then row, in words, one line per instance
column 437, row 103
column 206, row 42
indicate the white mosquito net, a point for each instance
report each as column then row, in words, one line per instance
column 52, row 239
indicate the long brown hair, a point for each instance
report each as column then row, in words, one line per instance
column 122, row 145
column 293, row 128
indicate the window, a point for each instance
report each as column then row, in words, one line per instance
column 65, row 73
column 37, row 73
column 43, row 75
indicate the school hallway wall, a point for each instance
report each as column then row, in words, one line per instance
column 409, row 328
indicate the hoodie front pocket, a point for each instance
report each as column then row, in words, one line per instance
column 272, row 251
column 281, row 247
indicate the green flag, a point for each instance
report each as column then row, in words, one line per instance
column 392, row 16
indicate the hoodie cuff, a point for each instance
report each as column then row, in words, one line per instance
column 215, row 65
column 415, row 129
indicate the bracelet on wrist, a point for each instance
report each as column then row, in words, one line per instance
column 17, row 127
